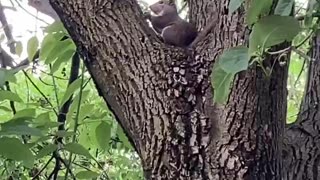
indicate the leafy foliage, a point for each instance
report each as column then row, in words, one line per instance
column 230, row 62
column 268, row 29
column 272, row 30
column 29, row 131
column 284, row 7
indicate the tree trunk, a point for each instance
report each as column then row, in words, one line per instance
column 302, row 154
column 161, row 95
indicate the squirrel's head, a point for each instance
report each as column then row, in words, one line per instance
column 164, row 7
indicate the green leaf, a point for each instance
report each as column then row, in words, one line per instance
column 122, row 136
column 20, row 130
column 28, row 112
column 87, row 110
column 16, row 122
column 3, row 76
column 56, row 26
column 87, row 138
column 234, row 5
column 12, row 148
column 257, row 9
column 37, row 140
column 86, row 175
column 221, row 82
column 47, row 45
column 19, row 48
column 32, row 47
column 70, row 90
column 272, row 30
column 59, row 48
column 49, row 42
column 103, row 135
column 234, row 59
column 65, row 57
column 8, row 95
column 4, row 108
column 76, row 100
column 46, row 150
column 284, row 7
column 77, row 149
column 312, row 6
column 63, row 133
column 43, row 118
column 23, row 177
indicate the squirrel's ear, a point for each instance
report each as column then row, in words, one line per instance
column 172, row 2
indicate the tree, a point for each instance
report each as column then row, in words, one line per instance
column 162, row 95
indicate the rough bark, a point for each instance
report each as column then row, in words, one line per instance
column 162, row 96
column 302, row 152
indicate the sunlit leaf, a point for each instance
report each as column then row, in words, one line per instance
column 77, row 149
column 257, row 9
column 48, row 43
column 70, row 90
column 88, row 136
column 59, row 48
column 43, row 118
column 56, row 26
column 65, row 57
column 87, row 110
column 103, row 135
column 221, row 82
column 28, row 112
column 32, row 47
column 86, row 175
column 46, row 150
column 8, row 95
column 20, row 130
column 62, row 133
column 272, row 30
column 123, row 138
column 4, row 108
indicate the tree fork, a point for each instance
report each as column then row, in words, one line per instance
column 163, row 99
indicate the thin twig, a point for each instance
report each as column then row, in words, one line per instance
column 302, row 54
column 182, row 8
column 300, row 18
column 43, row 168
column 300, row 73
column 76, row 123
column 31, row 13
column 67, row 165
column 38, row 89
column 57, row 77
column 54, row 86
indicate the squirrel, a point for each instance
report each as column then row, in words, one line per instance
column 173, row 29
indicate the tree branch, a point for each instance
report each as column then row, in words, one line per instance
column 7, row 31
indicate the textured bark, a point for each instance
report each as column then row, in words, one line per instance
column 162, row 96
column 255, row 117
column 302, row 152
